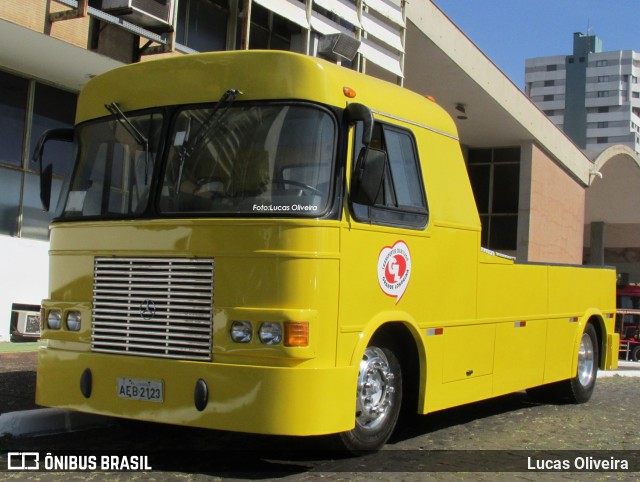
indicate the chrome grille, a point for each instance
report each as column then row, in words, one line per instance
column 156, row 307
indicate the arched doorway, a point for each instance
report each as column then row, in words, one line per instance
column 612, row 213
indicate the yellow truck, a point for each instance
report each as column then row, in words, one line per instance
column 266, row 242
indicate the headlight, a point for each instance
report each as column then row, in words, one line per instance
column 270, row 333
column 241, row 331
column 73, row 320
column 54, row 319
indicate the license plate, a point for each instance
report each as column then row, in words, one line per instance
column 139, row 389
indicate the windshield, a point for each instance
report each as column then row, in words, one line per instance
column 114, row 170
column 268, row 158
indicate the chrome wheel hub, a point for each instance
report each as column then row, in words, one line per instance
column 586, row 360
column 376, row 386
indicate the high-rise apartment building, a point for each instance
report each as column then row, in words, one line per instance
column 593, row 96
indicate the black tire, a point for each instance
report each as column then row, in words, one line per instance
column 635, row 353
column 579, row 388
column 378, row 401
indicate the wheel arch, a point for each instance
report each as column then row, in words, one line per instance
column 404, row 338
column 598, row 323
column 596, row 319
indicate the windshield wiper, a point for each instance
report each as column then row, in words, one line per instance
column 138, row 136
column 207, row 127
column 202, row 134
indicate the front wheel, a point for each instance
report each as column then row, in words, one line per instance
column 378, row 400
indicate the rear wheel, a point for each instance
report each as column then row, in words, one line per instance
column 579, row 388
column 378, row 400
column 635, row 353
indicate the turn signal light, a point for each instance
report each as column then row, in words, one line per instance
column 349, row 92
column 296, row 333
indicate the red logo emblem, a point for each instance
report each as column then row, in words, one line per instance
column 394, row 269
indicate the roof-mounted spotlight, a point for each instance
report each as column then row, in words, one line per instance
column 337, row 46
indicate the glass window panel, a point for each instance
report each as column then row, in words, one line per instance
column 506, row 188
column 13, row 101
column 480, row 177
column 479, row 156
column 113, row 175
column 403, row 164
column 53, row 108
column 35, row 221
column 510, row 154
column 484, row 240
column 261, row 159
column 504, row 231
column 10, row 182
column 202, row 25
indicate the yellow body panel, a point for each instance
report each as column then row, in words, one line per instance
column 480, row 324
column 240, row 396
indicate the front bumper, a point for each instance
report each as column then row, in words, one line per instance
column 255, row 399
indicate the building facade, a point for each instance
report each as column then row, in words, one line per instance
column 529, row 181
column 593, row 96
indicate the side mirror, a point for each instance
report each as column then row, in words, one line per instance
column 359, row 112
column 46, row 173
column 368, row 175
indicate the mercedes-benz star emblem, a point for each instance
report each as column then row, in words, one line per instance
column 147, row 309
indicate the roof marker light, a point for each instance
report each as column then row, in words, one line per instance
column 349, row 92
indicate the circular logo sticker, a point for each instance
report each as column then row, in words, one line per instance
column 394, row 269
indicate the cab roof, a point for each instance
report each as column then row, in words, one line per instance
column 259, row 75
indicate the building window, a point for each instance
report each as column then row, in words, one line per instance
column 552, row 68
column 202, row 24
column 601, row 63
column 603, row 110
column 602, row 140
column 495, row 179
column 13, row 108
column 48, row 107
column 269, row 30
column 547, row 97
column 603, row 78
column 603, row 125
column 549, row 83
column 603, row 93
column 549, row 112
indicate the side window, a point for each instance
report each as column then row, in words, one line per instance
column 401, row 200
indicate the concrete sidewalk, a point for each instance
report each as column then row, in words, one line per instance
column 625, row 369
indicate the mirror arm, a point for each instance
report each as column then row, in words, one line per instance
column 359, row 112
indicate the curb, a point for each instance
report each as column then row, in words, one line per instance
column 625, row 369
column 43, row 421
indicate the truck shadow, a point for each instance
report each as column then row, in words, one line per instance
column 247, row 456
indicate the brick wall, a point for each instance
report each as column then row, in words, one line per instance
column 551, row 213
column 33, row 14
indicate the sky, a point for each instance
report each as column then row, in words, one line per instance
column 510, row 31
